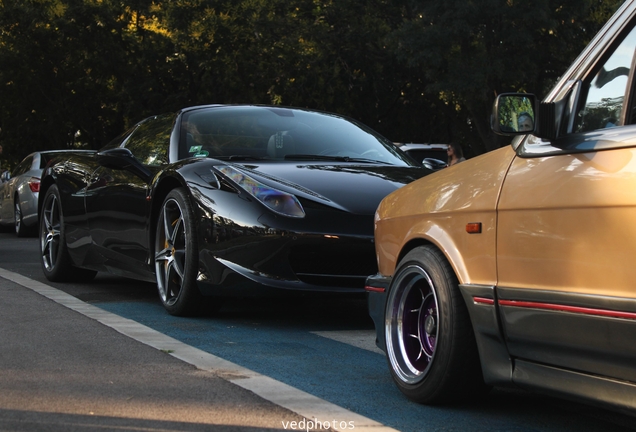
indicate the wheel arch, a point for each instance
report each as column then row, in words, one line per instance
column 421, row 242
column 45, row 184
column 412, row 244
column 444, row 245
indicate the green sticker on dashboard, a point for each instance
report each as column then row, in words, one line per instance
column 202, row 154
column 195, row 149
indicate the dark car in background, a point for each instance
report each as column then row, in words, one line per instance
column 216, row 201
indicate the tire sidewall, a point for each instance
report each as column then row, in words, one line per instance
column 60, row 268
column 17, row 220
column 444, row 282
column 189, row 299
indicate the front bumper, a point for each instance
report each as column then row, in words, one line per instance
column 377, row 287
column 287, row 261
column 241, row 244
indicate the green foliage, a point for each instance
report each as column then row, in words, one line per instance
column 78, row 72
column 469, row 51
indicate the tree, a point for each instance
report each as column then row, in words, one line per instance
column 76, row 73
column 319, row 54
column 469, row 51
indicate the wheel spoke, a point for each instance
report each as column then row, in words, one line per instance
column 419, row 335
column 170, row 259
column 177, row 264
column 17, row 218
column 178, row 246
column 51, row 235
column 177, row 225
column 167, row 226
column 163, row 255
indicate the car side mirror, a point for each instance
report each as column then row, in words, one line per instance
column 433, row 164
column 121, row 158
column 5, row 176
column 549, row 120
column 513, row 114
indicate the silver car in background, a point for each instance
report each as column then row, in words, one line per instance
column 19, row 193
column 432, row 156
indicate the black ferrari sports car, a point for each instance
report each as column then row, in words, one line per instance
column 219, row 200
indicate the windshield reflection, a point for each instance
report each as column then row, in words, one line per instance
column 253, row 132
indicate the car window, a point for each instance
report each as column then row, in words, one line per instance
column 150, row 141
column 22, row 167
column 606, row 90
column 281, row 133
column 44, row 159
column 419, row 154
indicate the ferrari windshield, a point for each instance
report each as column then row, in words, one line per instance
column 253, row 132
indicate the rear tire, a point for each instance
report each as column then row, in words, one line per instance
column 20, row 229
column 55, row 260
column 431, row 348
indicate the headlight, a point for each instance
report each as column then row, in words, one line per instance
column 279, row 201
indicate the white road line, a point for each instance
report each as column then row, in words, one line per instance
column 364, row 339
column 300, row 402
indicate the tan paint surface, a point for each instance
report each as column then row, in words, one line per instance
column 568, row 223
column 437, row 209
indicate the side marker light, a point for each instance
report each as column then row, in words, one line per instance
column 374, row 289
column 473, row 228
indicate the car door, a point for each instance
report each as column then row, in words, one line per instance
column 566, row 236
column 117, row 204
column 7, row 207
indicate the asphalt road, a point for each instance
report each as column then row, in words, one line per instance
column 249, row 367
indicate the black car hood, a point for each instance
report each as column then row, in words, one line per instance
column 351, row 187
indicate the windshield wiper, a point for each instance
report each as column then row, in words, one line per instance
column 238, row 157
column 329, row 158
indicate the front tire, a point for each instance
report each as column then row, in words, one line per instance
column 177, row 256
column 55, row 260
column 431, row 348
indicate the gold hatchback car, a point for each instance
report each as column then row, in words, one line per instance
column 518, row 267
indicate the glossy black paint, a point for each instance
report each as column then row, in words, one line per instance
column 111, row 200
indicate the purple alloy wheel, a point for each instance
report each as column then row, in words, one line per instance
column 412, row 327
column 419, row 326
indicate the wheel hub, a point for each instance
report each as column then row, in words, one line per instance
column 430, row 324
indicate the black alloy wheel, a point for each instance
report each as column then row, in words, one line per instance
column 56, row 262
column 176, row 256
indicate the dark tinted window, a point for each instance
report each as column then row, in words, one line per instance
column 150, row 142
column 281, row 133
column 44, row 159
